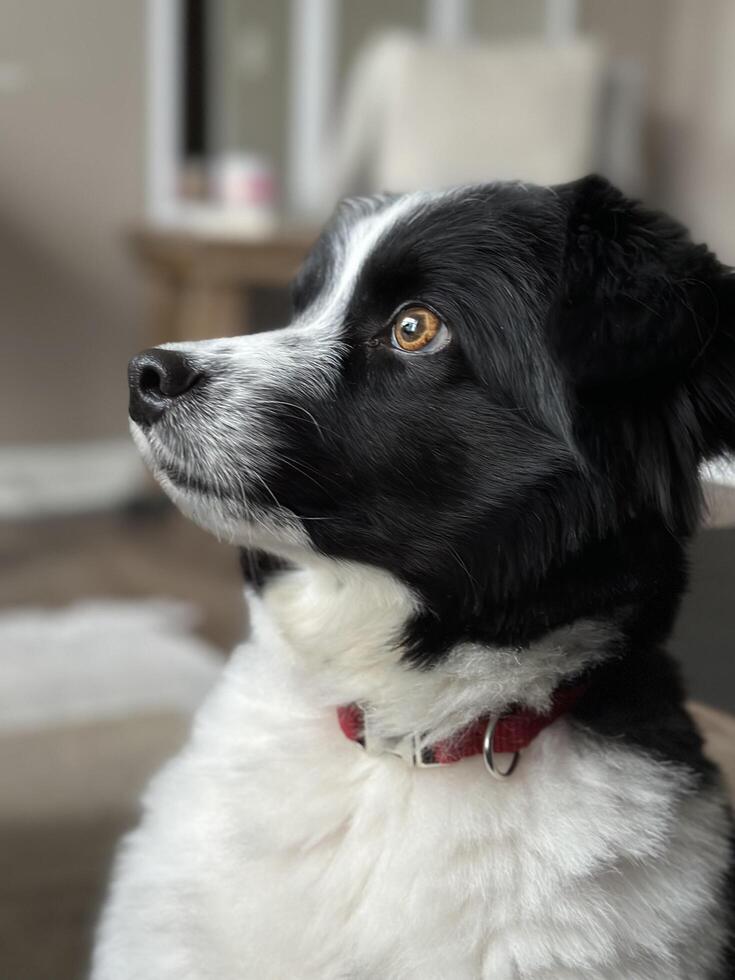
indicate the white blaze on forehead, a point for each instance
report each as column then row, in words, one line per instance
column 327, row 313
column 305, row 356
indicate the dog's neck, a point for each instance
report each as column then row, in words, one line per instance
column 344, row 624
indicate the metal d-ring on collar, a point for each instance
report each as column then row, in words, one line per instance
column 488, row 752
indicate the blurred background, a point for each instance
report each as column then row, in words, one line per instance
column 164, row 166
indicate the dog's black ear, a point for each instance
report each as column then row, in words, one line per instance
column 642, row 309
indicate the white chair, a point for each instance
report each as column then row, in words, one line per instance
column 418, row 113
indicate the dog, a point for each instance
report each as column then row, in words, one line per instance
column 464, row 478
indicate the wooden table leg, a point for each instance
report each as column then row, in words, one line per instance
column 212, row 309
column 163, row 305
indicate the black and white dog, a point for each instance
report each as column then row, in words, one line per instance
column 465, row 478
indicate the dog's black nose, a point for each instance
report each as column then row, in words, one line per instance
column 157, row 377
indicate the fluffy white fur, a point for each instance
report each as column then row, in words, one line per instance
column 273, row 847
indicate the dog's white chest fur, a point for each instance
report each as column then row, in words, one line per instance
column 273, row 847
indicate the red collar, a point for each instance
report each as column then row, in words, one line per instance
column 487, row 736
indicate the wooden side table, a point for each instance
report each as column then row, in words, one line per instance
column 201, row 285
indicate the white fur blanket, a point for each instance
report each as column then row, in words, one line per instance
column 101, row 659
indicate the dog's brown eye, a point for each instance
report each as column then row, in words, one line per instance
column 415, row 328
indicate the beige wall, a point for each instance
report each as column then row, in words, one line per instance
column 71, row 183
column 695, row 97
column 686, row 48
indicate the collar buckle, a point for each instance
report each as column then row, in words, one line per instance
column 405, row 747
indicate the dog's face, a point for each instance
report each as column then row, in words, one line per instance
column 477, row 388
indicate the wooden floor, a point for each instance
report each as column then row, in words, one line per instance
column 150, row 550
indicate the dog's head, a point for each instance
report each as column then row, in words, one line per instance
column 498, row 394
